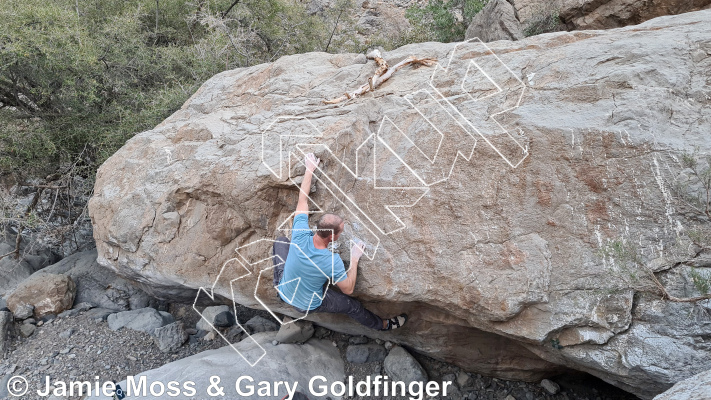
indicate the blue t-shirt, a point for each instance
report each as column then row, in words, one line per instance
column 307, row 268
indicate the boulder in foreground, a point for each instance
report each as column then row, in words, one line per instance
column 286, row 362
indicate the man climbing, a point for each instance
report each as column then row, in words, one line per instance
column 304, row 265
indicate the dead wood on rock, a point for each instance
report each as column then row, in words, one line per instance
column 382, row 74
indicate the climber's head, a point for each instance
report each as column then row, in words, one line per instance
column 329, row 227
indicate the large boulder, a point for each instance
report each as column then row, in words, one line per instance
column 603, row 14
column 47, row 293
column 530, row 254
column 697, row 387
column 251, row 362
column 496, row 21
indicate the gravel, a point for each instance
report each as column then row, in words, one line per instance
column 93, row 352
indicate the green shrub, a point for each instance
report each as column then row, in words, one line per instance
column 696, row 189
column 77, row 79
column 442, row 21
column 544, row 21
column 701, row 280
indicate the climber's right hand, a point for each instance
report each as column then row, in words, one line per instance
column 357, row 250
column 311, row 162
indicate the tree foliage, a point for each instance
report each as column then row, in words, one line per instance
column 77, row 79
column 443, row 20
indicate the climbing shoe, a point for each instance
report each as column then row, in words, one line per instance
column 396, row 322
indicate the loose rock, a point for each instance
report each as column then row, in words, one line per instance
column 259, row 324
column 99, row 314
column 295, row 332
column 208, row 316
column 98, row 285
column 26, row 330
column 550, row 386
column 358, row 340
column 144, row 320
column 23, row 311
column 66, row 334
column 170, row 337
column 5, row 323
column 364, row 353
column 401, row 366
column 464, row 380
column 48, row 293
column 224, row 319
column 78, row 308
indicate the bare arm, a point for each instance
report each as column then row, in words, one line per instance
column 303, row 206
column 348, row 285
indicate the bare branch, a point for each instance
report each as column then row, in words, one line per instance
column 18, row 240
column 224, row 14
column 382, row 74
column 7, row 254
column 665, row 294
column 44, row 186
column 335, row 26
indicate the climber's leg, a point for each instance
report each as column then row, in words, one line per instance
column 337, row 302
column 279, row 253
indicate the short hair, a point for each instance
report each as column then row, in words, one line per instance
column 328, row 224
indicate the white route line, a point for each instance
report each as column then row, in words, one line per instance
column 244, row 263
column 492, row 116
column 211, row 295
column 350, row 204
column 433, row 159
column 372, row 237
column 327, row 181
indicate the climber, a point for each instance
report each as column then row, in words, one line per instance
column 303, row 266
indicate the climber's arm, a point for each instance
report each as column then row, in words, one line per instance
column 348, row 285
column 302, row 207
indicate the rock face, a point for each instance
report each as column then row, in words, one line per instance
column 523, row 247
column 604, row 14
column 496, row 21
column 513, row 19
column 48, row 293
column 368, row 18
column 287, row 362
column 698, row 387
